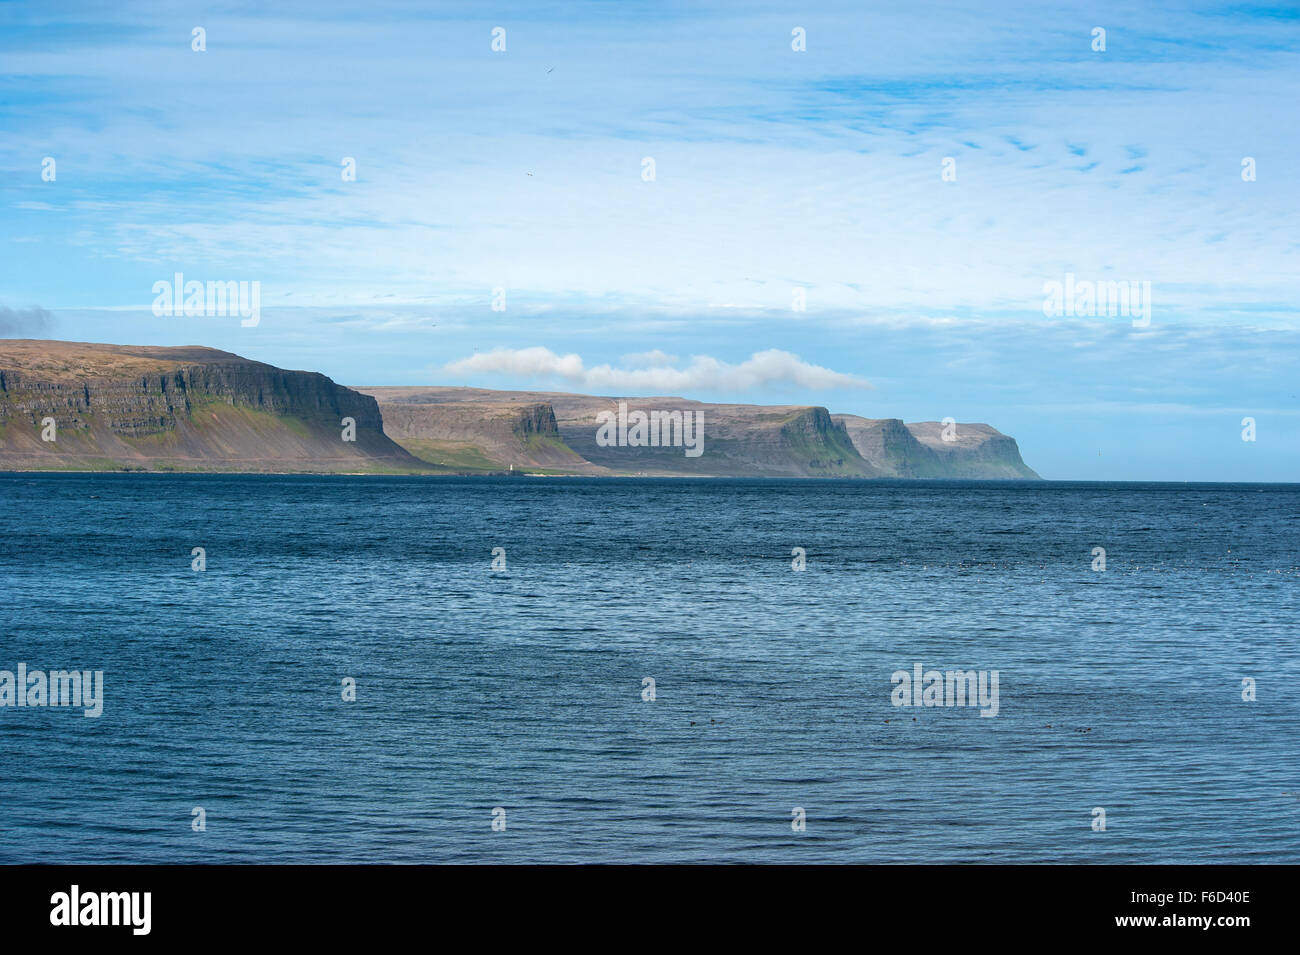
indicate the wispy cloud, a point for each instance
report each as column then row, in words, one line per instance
column 523, row 169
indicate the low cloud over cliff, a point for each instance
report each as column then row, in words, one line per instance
column 657, row 372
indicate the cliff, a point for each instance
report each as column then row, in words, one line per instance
column 141, row 408
column 977, row 451
column 484, row 436
column 738, row 440
column 117, row 407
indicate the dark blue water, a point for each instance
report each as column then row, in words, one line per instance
column 1119, row 689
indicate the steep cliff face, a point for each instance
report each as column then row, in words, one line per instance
column 978, row 452
column 890, row 448
column 78, row 406
column 821, row 446
column 737, row 440
column 975, row 451
column 482, row 436
column 179, row 409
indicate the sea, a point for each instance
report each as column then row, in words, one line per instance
column 342, row 669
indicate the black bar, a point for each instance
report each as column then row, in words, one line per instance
column 336, row 903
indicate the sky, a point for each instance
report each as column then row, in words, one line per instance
column 636, row 198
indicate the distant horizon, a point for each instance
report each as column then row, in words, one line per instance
column 833, row 410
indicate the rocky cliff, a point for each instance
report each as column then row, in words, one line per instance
column 484, row 436
column 976, row 451
column 739, row 440
column 80, row 406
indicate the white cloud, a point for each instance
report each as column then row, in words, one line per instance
column 655, row 371
column 651, row 359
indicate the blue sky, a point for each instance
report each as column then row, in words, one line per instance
column 774, row 170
